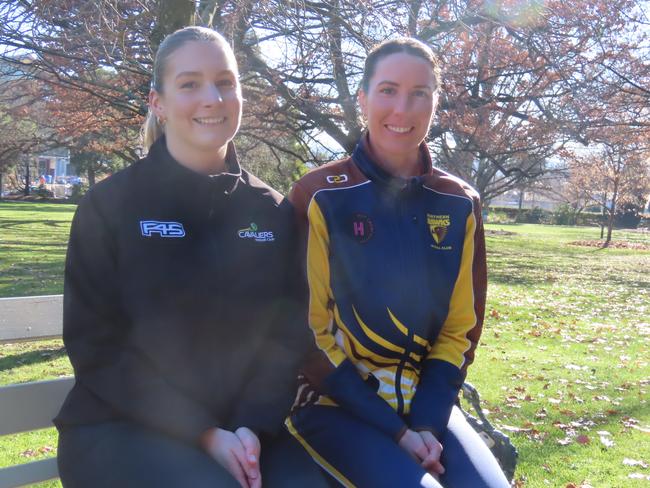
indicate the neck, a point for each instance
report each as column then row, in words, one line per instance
column 398, row 165
column 204, row 162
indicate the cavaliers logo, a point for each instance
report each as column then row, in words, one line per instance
column 362, row 228
column 438, row 226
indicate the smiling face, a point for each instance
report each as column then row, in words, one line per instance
column 200, row 104
column 398, row 104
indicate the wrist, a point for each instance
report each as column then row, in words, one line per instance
column 207, row 438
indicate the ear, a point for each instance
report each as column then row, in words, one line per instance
column 156, row 104
column 363, row 103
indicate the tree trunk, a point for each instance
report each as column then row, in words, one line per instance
column 172, row 15
column 1, row 183
column 27, row 178
column 91, row 176
column 612, row 214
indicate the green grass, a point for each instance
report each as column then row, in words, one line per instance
column 563, row 361
column 33, row 241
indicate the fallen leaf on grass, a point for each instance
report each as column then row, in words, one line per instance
column 511, row 428
column 634, row 462
column 638, row 476
column 582, row 439
column 37, row 452
column 605, row 438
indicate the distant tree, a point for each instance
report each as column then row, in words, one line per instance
column 614, row 174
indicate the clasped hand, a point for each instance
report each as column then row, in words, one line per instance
column 238, row 452
column 425, row 449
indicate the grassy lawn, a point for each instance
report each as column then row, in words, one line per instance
column 563, row 367
column 33, row 241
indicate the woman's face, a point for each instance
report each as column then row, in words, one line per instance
column 399, row 104
column 201, row 101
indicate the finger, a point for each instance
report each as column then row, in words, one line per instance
column 250, row 465
column 235, row 468
column 250, row 442
column 433, row 466
column 256, row 483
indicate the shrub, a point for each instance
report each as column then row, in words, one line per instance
column 78, row 191
column 533, row 216
column 564, row 215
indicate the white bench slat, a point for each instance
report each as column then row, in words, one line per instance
column 31, row 406
column 31, row 318
column 29, row 473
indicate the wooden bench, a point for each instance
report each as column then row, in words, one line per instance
column 30, row 406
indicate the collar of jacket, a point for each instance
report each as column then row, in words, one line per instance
column 362, row 157
column 227, row 181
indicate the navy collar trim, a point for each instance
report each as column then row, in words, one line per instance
column 369, row 167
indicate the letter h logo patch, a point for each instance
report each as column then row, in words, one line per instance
column 362, row 228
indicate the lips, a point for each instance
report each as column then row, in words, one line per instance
column 209, row 120
column 398, row 129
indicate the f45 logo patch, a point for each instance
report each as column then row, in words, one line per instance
column 149, row 228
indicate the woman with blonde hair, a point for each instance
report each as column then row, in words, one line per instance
column 182, row 306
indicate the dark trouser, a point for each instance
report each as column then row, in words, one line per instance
column 359, row 455
column 123, row 454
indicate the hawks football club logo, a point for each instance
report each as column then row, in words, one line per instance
column 438, row 226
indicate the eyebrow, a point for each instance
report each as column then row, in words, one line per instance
column 199, row 73
column 392, row 83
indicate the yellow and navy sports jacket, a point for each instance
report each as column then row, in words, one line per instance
column 397, row 281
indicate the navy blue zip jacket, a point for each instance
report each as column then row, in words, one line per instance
column 397, row 280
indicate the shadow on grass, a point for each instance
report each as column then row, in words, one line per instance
column 51, row 223
column 29, row 245
column 31, row 357
column 37, row 207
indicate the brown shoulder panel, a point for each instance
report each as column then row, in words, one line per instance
column 444, row 182
column 336, row 174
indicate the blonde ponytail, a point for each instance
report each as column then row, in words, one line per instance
column 151, row 130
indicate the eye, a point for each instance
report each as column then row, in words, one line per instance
column 225, row 83
column 189, row 85
column 387, row 90
column 421, row 93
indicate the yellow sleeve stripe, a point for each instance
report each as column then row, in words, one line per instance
column 452, row 343
column 404, row 330
column 376, row 338
column 320, row 293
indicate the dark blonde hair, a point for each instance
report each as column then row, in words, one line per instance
column 406, row 45
column 152, row 129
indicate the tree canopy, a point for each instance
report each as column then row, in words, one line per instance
column 523, row 80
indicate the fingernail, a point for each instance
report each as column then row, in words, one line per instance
column 252, row 458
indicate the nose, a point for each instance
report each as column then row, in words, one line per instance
column 402, row 103
column 212, row 94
